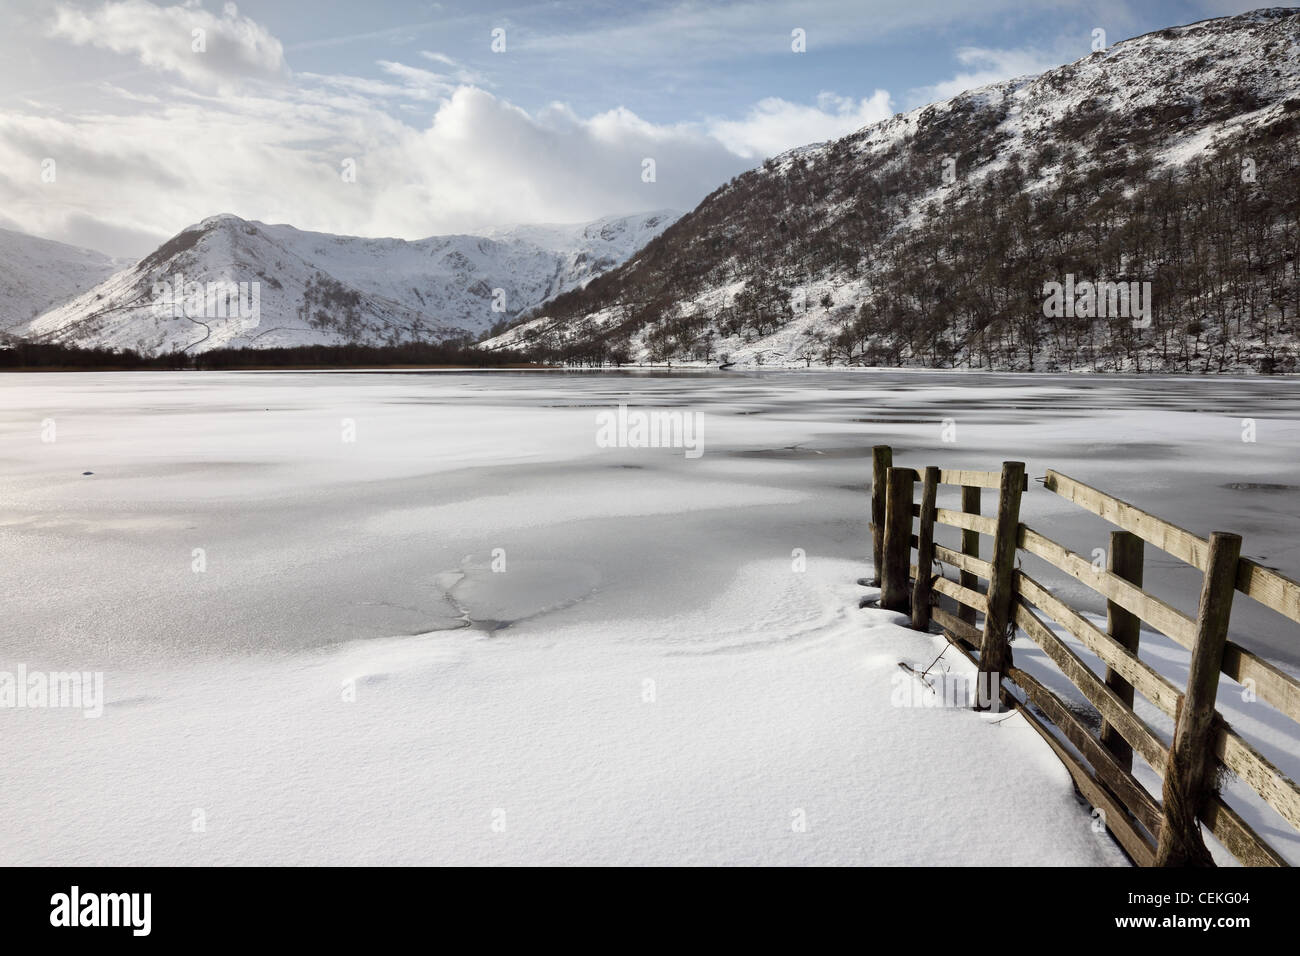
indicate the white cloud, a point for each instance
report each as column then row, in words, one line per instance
column 234, row 47
column 422, row 83
column 478, row 161
column 434, row 151
column 484, row 161
column 458, row 71
column 427, row 84
column 774, row 125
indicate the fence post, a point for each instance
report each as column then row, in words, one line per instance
column 898, row 540
column 1125, row 560
column 995, row 651
column 970, row 545
column 1189, row 776
column 922, row 589
column 882, row 458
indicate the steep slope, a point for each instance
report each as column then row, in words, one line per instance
column 37, row 274
column 231, row 282
column 928, row 238
column 587, row 251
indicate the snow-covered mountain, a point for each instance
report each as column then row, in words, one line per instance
column 231, row 282
column 926, row 239
column 36, row 274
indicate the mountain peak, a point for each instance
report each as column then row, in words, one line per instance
column 222, row 219
column 318, row 288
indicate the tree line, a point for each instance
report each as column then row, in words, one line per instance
column 21, row 356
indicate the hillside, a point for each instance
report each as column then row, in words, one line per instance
column 36, row 274
column 322, row 289
column 927, row 239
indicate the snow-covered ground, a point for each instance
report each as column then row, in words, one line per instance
column 309, row 657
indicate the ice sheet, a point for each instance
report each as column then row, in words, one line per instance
column 523, row 690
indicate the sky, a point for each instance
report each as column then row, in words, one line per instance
column 124, row 121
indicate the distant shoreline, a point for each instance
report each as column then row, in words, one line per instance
column 682, row 369
column 524, row 367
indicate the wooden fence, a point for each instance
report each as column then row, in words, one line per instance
column 1159, row 832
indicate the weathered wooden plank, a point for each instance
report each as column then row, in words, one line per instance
column 1127, row 602
column 959, row 519
column 970, row 547
column 956, row 626
column 1116, row 821
column 1107, row 769
column 882, row 457
column 1189, row 772
column 1221, row 820
column 1157, row 613
column 974, row 567
column 974, row 479
column 966, row 652
column 1153, row 685
column 1237, row 837
column 961, row 595
column 1138, row 734
column 1268, row 587
column 1275, row 787
column 1165, row 535
column 1272, row 685
column 1124, row 559
column 969, row 479
column 894, row 592
column 925, row 551
column 995, row 650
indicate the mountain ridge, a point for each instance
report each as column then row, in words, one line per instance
column 323, row 288
column 37, row 274
column 805, row 259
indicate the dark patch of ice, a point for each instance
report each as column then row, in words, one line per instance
column 1259, row 486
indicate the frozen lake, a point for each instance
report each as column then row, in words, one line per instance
column 516, row 611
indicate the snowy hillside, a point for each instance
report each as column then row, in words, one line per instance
column 231, row 282
column 36, row 274
column 926, row 239
column 591, row 249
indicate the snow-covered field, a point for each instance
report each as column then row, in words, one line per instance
column 406, row 618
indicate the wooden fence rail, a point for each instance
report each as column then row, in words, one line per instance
column 1098, row 752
